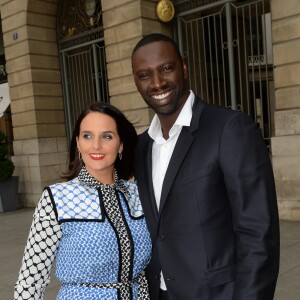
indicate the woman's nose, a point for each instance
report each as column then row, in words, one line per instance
column 97, row 144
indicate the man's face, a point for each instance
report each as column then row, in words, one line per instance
column 160, row 77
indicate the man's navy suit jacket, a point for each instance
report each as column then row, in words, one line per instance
column 216, row 233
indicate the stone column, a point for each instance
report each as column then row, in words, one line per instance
column 125, row 22
column 286, row 143
column 32, row 62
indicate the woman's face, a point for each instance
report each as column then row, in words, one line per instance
column 99, row 144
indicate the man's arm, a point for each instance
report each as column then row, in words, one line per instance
column 251, row 192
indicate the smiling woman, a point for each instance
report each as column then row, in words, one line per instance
column 99, row 144
column 93, row 224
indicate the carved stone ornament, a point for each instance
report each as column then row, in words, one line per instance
column 165, row 10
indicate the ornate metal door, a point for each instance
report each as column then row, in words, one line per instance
column 228, row 46
column 82, row 53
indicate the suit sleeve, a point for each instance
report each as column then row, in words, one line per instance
column 251, row 192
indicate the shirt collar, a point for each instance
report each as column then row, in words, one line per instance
column 85, row 177
column 184, row 119
column 120, row 185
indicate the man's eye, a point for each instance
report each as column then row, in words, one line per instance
column 144, row 76
column 167, row 69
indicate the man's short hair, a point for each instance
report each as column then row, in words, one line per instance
column 156, row 37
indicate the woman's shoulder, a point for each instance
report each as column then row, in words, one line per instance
column 64, row 184
column 76, row 201
column 71, row 190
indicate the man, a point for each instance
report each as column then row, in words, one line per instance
column 206, row 186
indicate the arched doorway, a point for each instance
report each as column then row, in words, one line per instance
column 82, row 55
column 5, row 111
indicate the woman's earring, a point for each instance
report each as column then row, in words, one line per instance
column 79, row 154
column 120, row 155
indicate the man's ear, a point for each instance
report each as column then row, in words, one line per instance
column 185, row 67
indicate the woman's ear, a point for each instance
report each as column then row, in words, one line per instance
column 121, row 148
column 77, row 143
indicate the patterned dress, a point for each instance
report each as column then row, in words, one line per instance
column 98, row 235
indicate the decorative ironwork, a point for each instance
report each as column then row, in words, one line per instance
column 84, row 38
column 78, row 16
column 82, row 53
column 185, row 5
column 228, row 47
column 165, row 10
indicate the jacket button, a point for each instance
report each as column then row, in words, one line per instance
column 162, row 237
column 156, row 276
column 169, row 279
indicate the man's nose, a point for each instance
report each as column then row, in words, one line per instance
column 158, row 81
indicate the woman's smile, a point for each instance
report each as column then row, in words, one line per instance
column 96, row 156
column 98, row 132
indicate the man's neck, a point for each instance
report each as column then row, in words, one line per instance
column 166, row 123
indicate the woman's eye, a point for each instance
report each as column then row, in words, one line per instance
column 107, row 136
column 87, row 136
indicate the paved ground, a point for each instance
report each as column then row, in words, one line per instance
column 14, row 228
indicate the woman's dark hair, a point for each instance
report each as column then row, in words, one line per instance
column 126, row 131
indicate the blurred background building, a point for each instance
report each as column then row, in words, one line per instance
column 58, row 56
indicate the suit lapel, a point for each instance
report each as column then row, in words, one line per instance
column 183, row 144
column 181, row 149
column 148, row 177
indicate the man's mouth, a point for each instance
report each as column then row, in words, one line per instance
column 161, row 96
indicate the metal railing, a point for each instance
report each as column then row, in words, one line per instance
column 228, row 47
column 84, row 75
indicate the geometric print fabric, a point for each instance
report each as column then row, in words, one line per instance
column 75, row 200
column 85, row 241
column 40, row 251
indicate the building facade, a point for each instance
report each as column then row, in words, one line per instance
column 38, row 88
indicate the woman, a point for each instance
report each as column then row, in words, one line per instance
column 93, row 224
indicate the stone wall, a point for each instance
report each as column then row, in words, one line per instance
column 125, row 22
column 32, row 63
column 286, row 143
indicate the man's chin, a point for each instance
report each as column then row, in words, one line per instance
column 164, row 112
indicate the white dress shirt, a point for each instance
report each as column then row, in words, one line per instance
column 162, row 150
